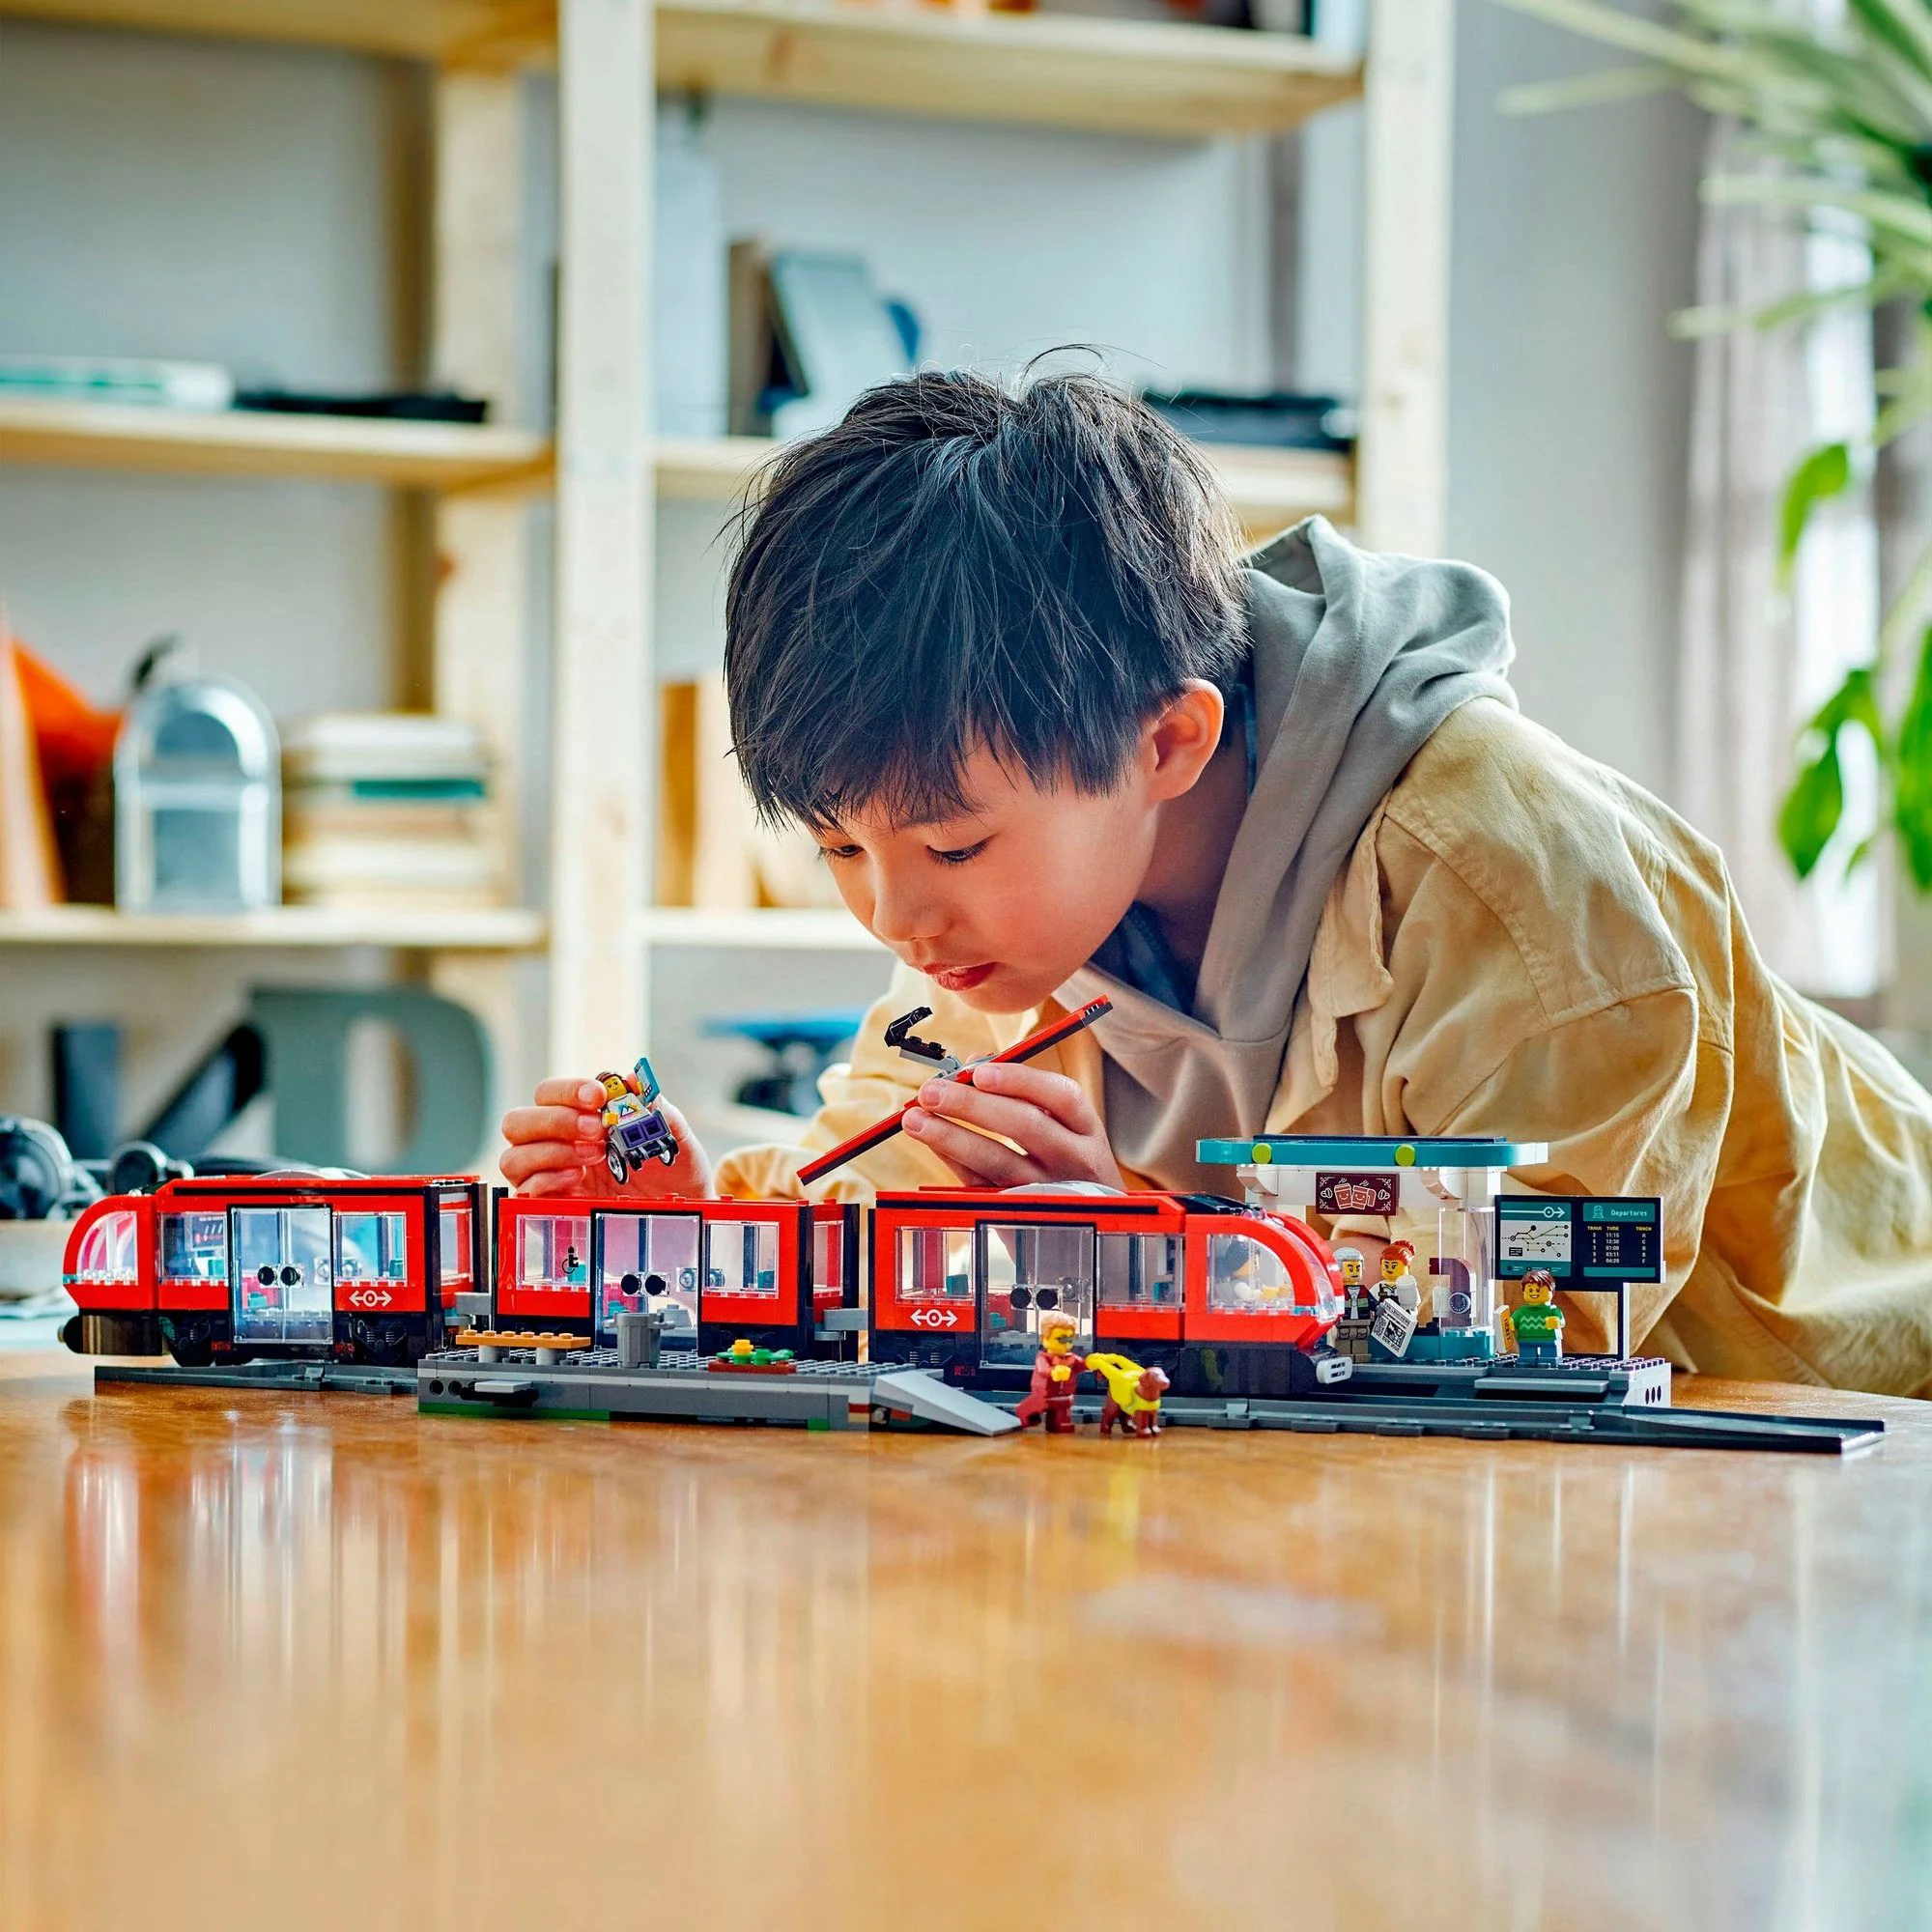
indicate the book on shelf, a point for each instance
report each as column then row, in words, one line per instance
column 711, row 850
column 385, row 808
column 109, row 379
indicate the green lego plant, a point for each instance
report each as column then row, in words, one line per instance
column 1843, row 112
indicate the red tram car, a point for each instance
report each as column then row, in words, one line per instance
column 279, row 1265
column 766, row 1270
column 1227, row 1300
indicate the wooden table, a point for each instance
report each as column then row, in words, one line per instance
column 288, row 1660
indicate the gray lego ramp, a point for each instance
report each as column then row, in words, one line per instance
column 927, row 1399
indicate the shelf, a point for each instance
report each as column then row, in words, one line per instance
column 1270, row 489
column 474, row 32
column 710, row 470
column 485, row 929
column 1058, row 69
column 243, row 443
column 798, row 929
column 1061, row 70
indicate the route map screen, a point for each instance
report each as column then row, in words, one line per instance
column 1583, row 1240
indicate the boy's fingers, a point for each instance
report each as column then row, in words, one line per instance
column 525, row 1125
column 966, row 1152
column 570, row 1090
column 571, row 1182
column 1051, row 1093
column 1035, row 1129
column 519, row 1163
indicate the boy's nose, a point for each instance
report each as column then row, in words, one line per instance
column 903, row 918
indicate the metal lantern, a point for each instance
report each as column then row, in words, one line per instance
column 197, row 801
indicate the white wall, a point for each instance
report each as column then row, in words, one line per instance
column 1575, row 238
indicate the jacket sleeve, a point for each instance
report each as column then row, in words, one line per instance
column 1630, row 1100
column 875, row 1082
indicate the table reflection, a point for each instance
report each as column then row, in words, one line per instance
column 1436, row 1681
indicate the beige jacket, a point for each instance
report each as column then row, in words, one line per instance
column 1526, row 944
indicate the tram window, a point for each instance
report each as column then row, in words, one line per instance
column 828, row 1254
column 556, row 1250
column 194, row 1247
column 1245, row 1278
column 370, row 1247
column 107, row 1248
column 453, row 1242
column 741, row 1257
column 1140, row 1271
column 936, row 1263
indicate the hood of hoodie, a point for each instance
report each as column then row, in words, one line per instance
column 1357, row 657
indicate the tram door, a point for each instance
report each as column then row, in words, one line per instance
column 646, row 1260
column 1028, row 1270
column 284, row 1286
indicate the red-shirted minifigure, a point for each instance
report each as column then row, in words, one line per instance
column 1056, row 1373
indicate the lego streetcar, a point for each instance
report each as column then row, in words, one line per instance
column 1226, row 1299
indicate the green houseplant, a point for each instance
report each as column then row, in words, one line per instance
column 1842, row 112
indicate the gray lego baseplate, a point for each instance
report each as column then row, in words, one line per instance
column 329, row 1377
column 1497, row 1419
column 593, row 1384
column 1632, row 1382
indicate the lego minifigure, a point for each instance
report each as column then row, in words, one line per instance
column 635, row 1132
column 1133, row 1395
column 1056, row 1373
column 1396, row 1281
column 1349, row 1262
column 1534, row 1329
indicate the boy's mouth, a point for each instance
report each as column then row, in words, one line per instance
column 960, row 978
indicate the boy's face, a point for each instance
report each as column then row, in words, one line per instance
column 1002, row 904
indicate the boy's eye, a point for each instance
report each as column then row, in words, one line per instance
column 839, row 851
column 961, row 855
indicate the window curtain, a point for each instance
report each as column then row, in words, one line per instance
column 1756, row 659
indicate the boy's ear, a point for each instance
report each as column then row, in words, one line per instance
column 1179, row 741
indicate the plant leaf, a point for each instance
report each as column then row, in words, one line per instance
column 1825, row 473
column 1589, row 90
column 1811, row 809
column 1911, row 773
column 1854, row 702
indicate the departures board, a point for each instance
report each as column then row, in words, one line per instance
column 1584, row 1241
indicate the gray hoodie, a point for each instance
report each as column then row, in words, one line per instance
column 1358, row 658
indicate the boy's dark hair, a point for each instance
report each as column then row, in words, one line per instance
column 956, row 564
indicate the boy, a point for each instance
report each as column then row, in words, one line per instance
column 1055, row 738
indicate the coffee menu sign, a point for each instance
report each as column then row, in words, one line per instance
column 1356, row 1193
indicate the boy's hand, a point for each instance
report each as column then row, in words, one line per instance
column 1047, row 1113
column 556, row 1147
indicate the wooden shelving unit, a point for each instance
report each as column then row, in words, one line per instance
column 240, row 443
column 1063, row 70
column 796, row 929
column 1117, row 77
column 451, row 32
column 1270, row 488
column 484, row 930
